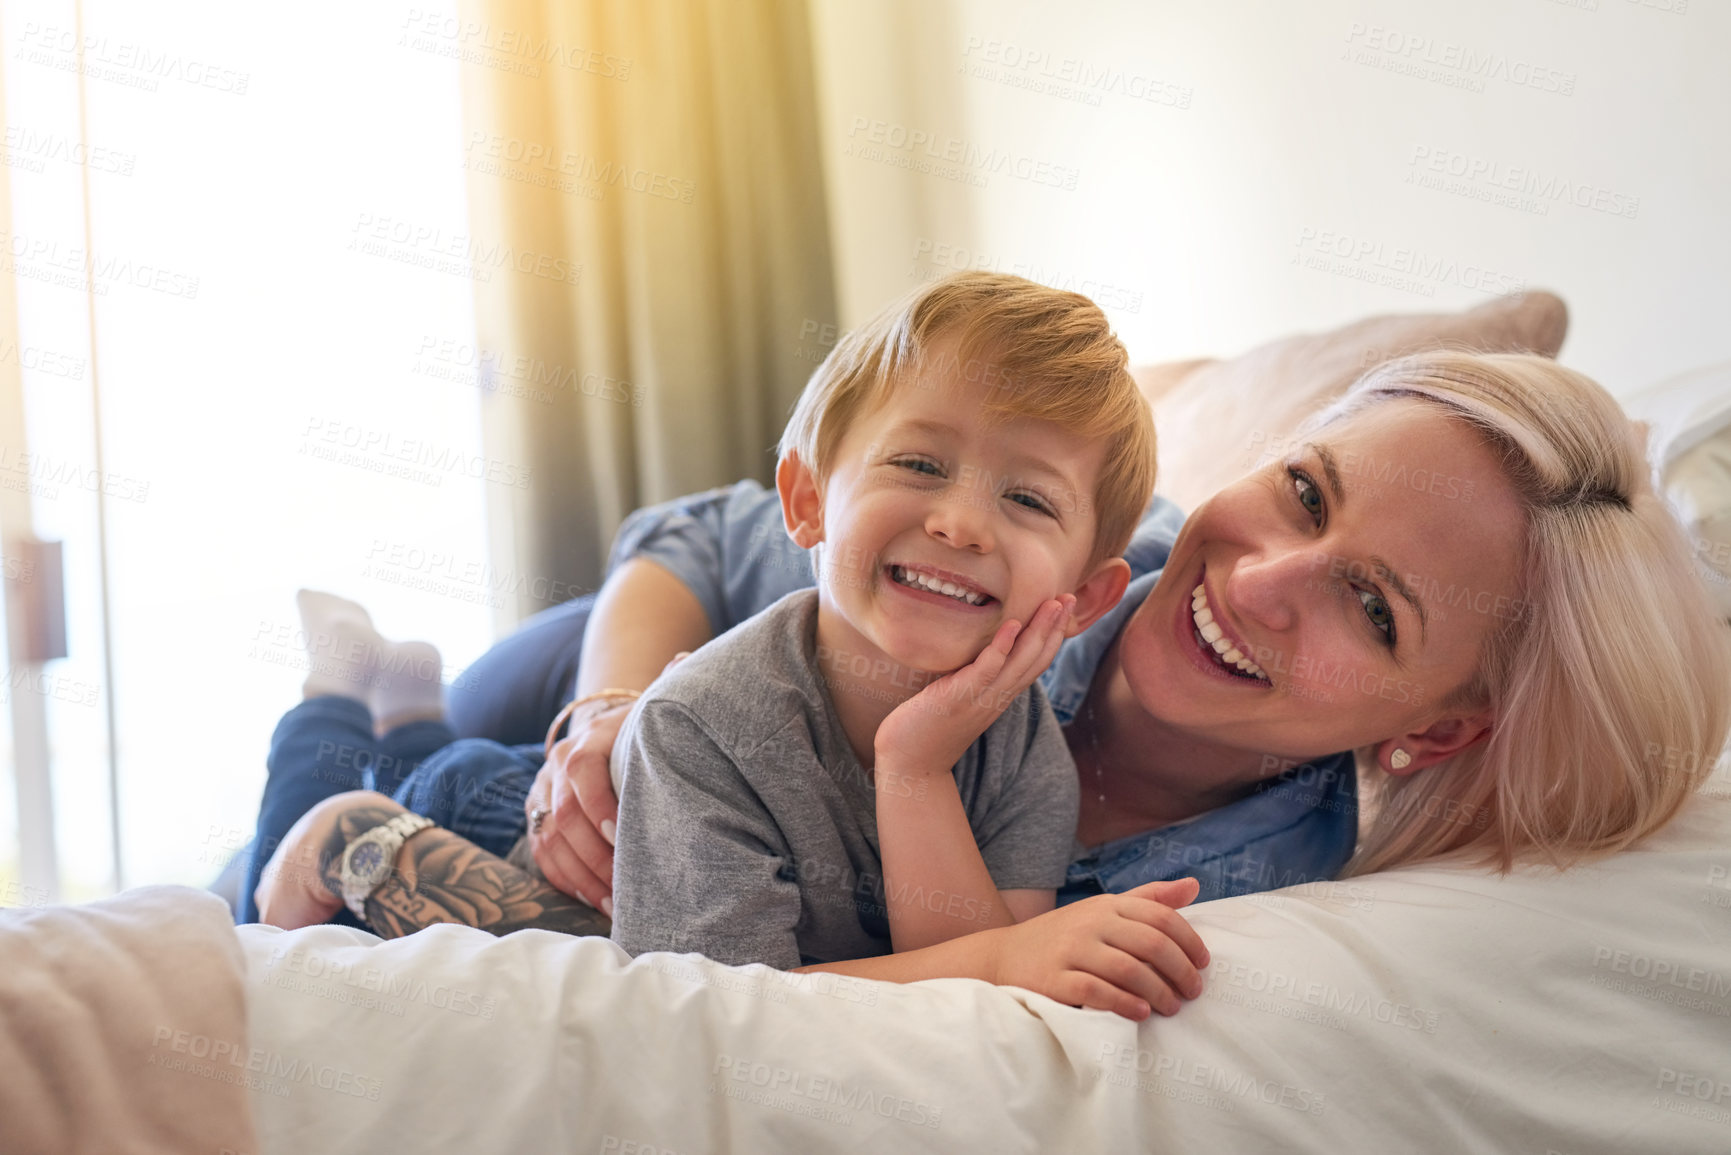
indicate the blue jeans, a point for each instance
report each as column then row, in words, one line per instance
column 513, row 691
column 325, row 746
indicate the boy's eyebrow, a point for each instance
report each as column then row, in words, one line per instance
column 1022, row 463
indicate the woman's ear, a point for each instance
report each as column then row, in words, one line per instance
column 1440, row 741
column 1099, row 592
column 801, row 502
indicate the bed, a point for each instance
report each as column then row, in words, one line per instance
column 1418, row 1010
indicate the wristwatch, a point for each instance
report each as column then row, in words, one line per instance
column 369, row 858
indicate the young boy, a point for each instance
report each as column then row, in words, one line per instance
column 866, row 767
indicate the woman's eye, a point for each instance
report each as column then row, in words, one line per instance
column 1309, row 496
column 1378, row 611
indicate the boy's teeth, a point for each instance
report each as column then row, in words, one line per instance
column 908, row 577
column 1210, row 636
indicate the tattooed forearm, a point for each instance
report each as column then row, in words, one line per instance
column 443, row 877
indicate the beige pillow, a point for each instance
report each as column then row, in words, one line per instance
column 1215, row 418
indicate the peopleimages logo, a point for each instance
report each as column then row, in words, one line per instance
column 1397, row 266
column 1522, row 187
column 1445, row 62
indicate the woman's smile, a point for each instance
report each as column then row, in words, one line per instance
column 1203, row 655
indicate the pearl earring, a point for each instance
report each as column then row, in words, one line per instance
column 1400, row 759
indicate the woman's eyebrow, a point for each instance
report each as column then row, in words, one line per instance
column 1330, row 470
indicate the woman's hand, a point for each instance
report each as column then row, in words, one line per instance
column 1127, row 953
column 935, row 727
column 574, row 847
column 293, row 890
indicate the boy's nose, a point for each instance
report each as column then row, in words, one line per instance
column 956, row 520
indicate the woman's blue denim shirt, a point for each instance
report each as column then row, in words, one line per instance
column 729, row 547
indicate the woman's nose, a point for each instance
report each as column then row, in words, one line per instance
column 1266, row 587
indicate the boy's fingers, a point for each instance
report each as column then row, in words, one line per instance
column 1174, row 893
column 1133, row 977
column 1169, row 924
column 1159, row 951
column 1095, row 993
column 1032, row 645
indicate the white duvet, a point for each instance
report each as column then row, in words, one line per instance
column 1420, row 1010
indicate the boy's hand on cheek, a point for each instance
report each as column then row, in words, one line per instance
column 932, row 730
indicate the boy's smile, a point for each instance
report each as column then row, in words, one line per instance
column 938, row 524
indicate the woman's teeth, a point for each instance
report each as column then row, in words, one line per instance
column 920, row 581
column 1213, row 639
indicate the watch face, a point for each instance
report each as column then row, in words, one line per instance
column 366, row 860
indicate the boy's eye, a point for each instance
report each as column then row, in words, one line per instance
column 918, row 465
column 1033, row 501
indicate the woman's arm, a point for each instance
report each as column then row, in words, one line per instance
column 643, row 616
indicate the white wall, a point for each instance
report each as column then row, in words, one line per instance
column 1214, row 147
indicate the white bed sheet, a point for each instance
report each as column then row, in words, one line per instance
column 1419, row 1010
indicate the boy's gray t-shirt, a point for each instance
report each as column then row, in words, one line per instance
column 748, row 828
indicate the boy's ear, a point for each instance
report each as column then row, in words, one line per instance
column 1098, row 593
column 801, row 503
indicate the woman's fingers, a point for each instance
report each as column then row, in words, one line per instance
column 572, row 829
column 566, row 871
column 587, row 769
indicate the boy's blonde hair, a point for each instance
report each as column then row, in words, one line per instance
column 1040, row 352
column 1610, row 692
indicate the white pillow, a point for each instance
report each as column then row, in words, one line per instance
column 1689, row 445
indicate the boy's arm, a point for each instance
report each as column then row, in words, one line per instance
column 1129, row 953
column 936, row 883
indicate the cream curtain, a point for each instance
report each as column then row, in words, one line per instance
column 651, row 259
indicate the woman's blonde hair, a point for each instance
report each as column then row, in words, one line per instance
column 1039, row 352
column 1610, row 692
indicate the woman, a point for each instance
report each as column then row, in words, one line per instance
column 1463, row 574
